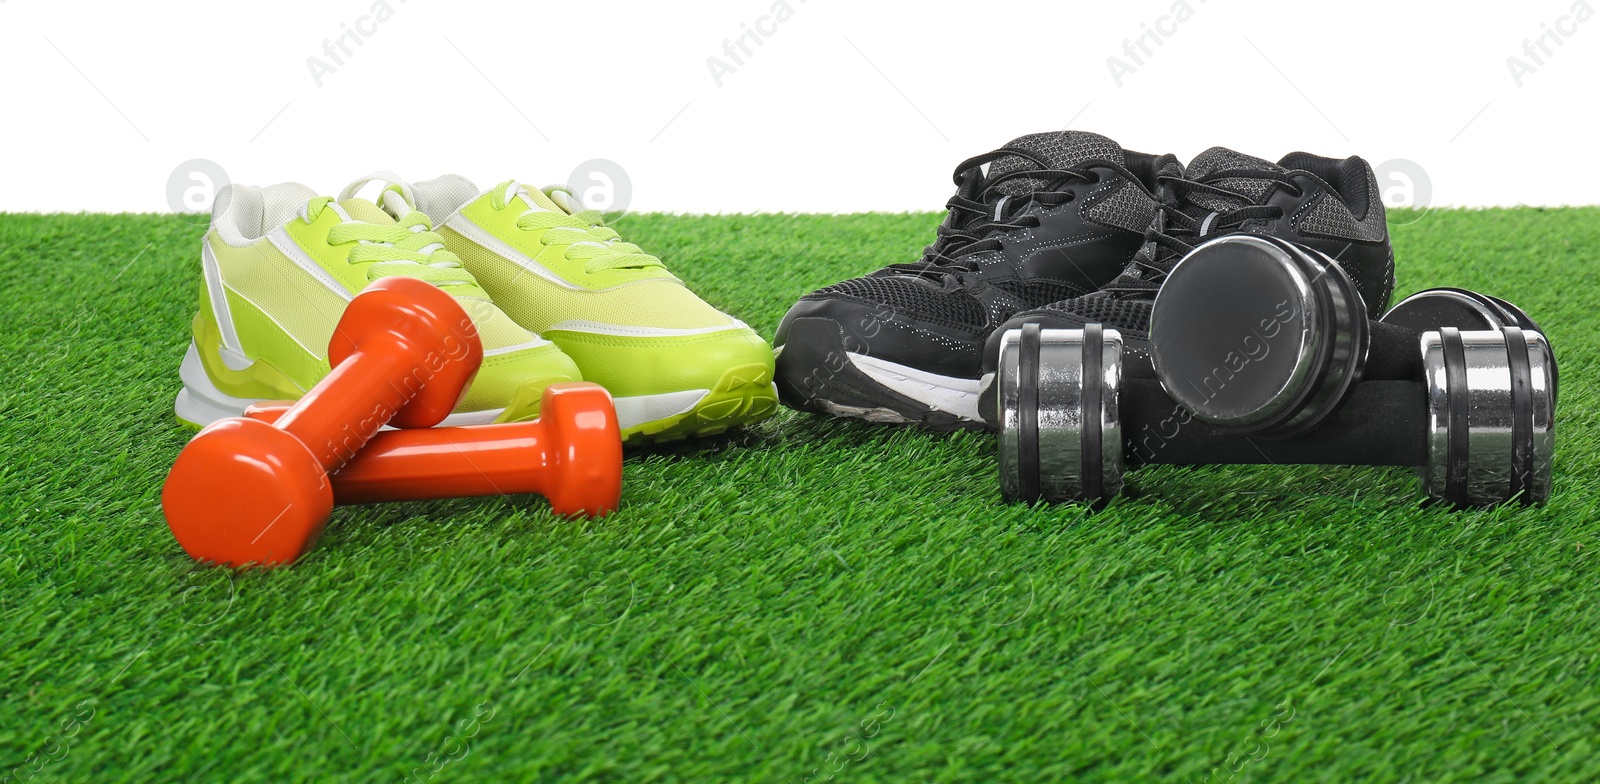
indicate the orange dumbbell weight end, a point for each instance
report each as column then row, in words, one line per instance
column 572, row 455
column 245, row 491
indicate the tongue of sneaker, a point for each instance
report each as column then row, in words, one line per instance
column 1058, row 150
column 566, row 199
column 1219, row 159
column 396, row 200
column 1139, row 281
column 534, row 199
column 366, row 211
column 1222, row 159
column 1055, row 150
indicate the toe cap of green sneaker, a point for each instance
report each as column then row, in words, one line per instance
column 651, row 365
column 511, row 382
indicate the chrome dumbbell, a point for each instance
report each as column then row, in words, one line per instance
column 1478, row 425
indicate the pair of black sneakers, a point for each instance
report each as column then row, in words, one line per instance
column 1062, row 229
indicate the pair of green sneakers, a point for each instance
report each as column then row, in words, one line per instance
column 556, row 296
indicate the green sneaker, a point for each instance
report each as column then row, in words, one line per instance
column 676, row 366
column 280, row 264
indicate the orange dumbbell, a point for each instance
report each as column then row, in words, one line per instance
column 572, row 455
column 245, row 491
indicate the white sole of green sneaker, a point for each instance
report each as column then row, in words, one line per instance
column 743, row 395
column 200, row 402
column 637, row 410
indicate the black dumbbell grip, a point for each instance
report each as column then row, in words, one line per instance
column 1382, row 423
column 1394, row 354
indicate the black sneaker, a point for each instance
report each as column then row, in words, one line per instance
column 1056, row 216
column 1327, row 204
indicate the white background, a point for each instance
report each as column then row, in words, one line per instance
column 846, row 106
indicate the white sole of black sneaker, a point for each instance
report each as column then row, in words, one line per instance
column 815, row 372
column 952, row 395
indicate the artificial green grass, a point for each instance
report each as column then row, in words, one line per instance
column 811, row 599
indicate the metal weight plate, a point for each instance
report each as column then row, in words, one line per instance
column 1431, row 309
column 1017, row 399
column 1465, row 310
column 1257, row 335
column 1060, row 435
column 1491, row 412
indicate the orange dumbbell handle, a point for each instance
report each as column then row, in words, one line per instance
column 337, row 417
column 441, row 462
column 572, row 456
column 448, row 463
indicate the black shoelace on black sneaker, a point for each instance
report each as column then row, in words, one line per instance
column 1181, row 223
column 974, row 221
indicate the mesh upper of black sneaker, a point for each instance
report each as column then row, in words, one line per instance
column 1035, row 292
column 932, row 289
column 1059, row 149
column 1131, row 316
column 1225, row 192
column 1220, row 191
column 1195, row 203
column 1033, row 168
column 1220, row 159
column 950, row 307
